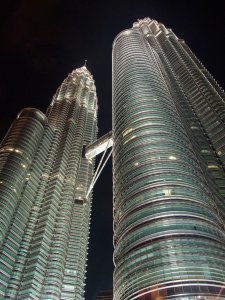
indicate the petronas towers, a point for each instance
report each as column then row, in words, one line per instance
column 168, row 179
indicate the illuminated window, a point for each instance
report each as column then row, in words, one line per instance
column 10, row 149
column 45, row 175
column 167, row 192
column 172, row 157
column 205, row 151
column 126, row 131
column 80, row 187
column 131, row 138
column 18, row 151
column 213, row 166
column 69, row 287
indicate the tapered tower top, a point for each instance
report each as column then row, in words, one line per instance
column 147, row 26
column 82, row 71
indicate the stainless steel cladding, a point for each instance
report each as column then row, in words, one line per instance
column 44, row 179
column 168, row 200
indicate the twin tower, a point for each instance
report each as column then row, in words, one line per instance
column 168, row 145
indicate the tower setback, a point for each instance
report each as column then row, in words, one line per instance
column 168, row 169
column 44, row 178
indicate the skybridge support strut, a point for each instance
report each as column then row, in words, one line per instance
column 101, row 145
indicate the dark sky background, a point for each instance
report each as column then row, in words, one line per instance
column 43, row 40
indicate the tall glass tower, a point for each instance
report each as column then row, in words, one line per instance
column 44, row 178
column 168, row 169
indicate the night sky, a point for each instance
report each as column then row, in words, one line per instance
column 43, row 40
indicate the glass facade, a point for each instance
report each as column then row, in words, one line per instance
column 44, row 179
column 168, row 169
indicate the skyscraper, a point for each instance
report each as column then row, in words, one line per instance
column 168, row 169
column 44, row 179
